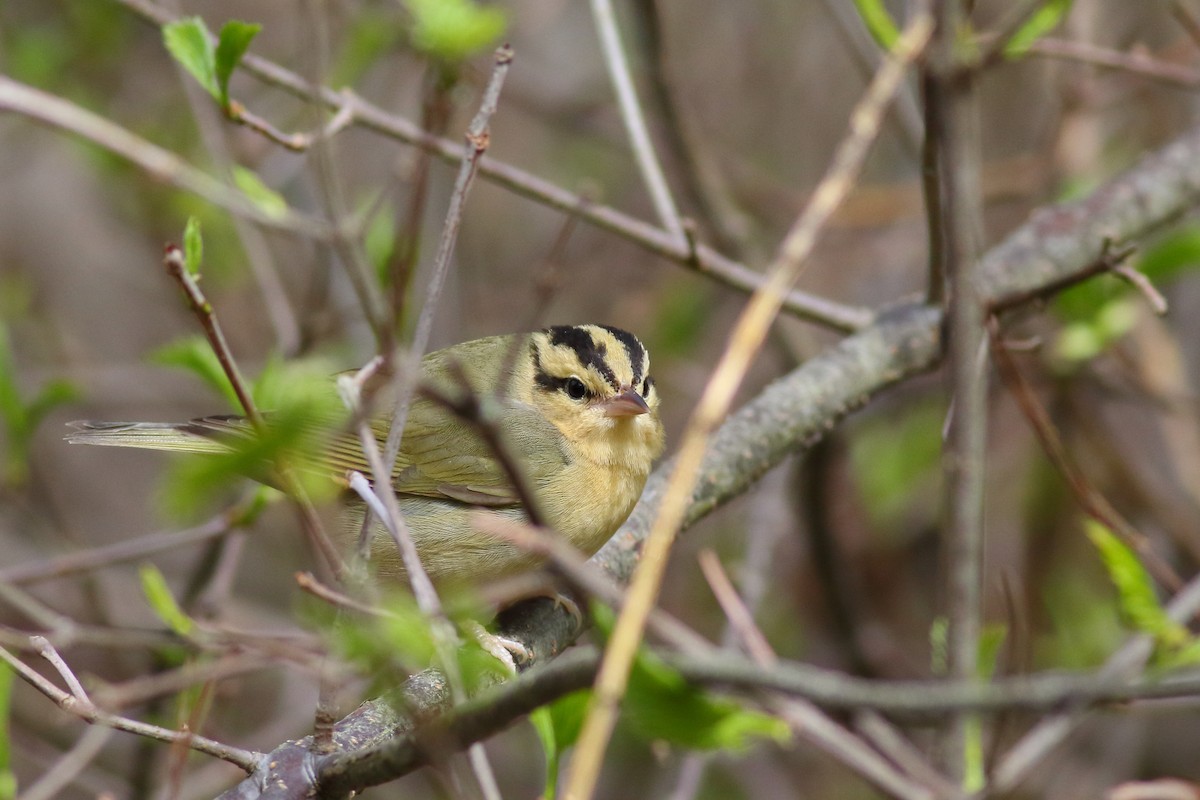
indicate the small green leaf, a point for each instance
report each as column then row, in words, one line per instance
column 1135, row 591
column 1077, row 342
column 1044, row 20
column 939, row 654
column 266, row 199
column 557, row 726
column 232, row 44
column 158, row 595
column 897, row 464
column 879, row 22
column 190, row 43
column 991, row 641
column 194, row 354
column 662, row 705
column 8, row 781
column 193, row 246
column 1175, row 253
column 454, row 30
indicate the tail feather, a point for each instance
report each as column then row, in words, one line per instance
column 205, row 435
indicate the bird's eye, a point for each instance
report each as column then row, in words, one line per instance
column 575, row 388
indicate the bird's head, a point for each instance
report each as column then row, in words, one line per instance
column 593, row 383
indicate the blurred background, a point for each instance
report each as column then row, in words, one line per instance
column 746, row 102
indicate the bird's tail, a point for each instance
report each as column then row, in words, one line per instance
column 204, row 435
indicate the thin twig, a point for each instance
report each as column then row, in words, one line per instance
column 119, row 552
column 741, row 619
column 309, row 583
column 631, row 114
column 58, row 113
column 89, row 713
column 1089, row 499
column 744, row 342
column 1147, row 289
column 478, row 138
column 173, row 260
column 1135, row 62
column 47, row 651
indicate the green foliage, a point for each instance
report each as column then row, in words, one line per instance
column 1044, row 20
column 991, row 641
column 1100, row 311
column 302, row 410
column 158, row 595
column 897, row 464
column 379, row 242
column 682, row 315
column 1136, row 598
column 21, row 417
column 193, row 246
column 662, row 705
column 557, row 726
column 8, row 781
column 939, row 653
column 189, row 42
column 232, row 44
column 372, row 32
column 194, row 354
column 264, row 198
column 879, row 22
column 1171, row 256
column 1084, row 339
column 452, row 31
column 1085, row 625
column 401, row 642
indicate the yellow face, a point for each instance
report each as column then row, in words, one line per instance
column 593, row 383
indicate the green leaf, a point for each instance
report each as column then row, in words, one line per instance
column 1044, row 20
column 897, row 464
column 158, row 595
column 8, row 781
column 232, row 44
column 193, row 246
column 939, row 655
column 557, row 726
column 1175, row 253
column 1084, row 339
column 189, row 42
column 1135, row 591
column 19, row 418
column 194, row 354
column 263, row 197
column 454, row 30
column 662, row 705
column 379, row 242
column 879, row 22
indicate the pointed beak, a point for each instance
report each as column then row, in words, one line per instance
column 627, row 404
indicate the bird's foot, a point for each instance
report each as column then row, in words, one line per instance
column 508, row 652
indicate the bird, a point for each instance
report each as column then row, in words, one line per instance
column 574, row 405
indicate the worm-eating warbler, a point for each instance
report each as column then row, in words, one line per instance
column 578, row 411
